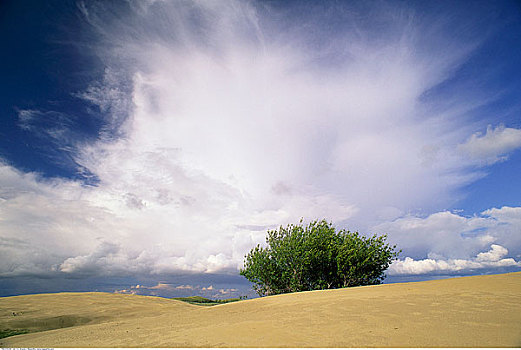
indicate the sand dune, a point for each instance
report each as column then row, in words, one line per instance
column 461, row 312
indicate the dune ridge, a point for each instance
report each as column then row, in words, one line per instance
column 477, row 311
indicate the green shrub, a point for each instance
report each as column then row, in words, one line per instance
column 4, row 333
column 299, row 258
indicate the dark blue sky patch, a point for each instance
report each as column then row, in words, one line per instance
column 501, row 187
column 40, row 73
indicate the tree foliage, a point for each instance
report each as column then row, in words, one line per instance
column 299, row 258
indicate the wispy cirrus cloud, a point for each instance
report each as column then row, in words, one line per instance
column 54, row 127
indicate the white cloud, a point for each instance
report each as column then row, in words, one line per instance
column 226, row 291
column 45, row 220
column 494, row 255
column 171, row 290
column 165, row 286
column 259, row 108
column 235, row 122
column 494, row 145
column 491, row 259
column 505, row 214
column 455, row 243
column 446, row 235
column 112, row 97
column 186, row 286
column 105, row 257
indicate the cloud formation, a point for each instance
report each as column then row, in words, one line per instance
column 449, row 235
column 491, row 259
column 494, row 145
column 172, row 290
column 222, row 121
column 456, row 243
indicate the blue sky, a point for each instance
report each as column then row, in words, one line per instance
column 153, row 143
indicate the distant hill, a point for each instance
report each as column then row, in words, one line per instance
column 197, row 300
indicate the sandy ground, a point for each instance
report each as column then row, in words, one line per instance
column 479, row 311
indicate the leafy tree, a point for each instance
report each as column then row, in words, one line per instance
column 299, row 258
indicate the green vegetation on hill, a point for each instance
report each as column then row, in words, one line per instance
column 197, row 300
column 4, row 333
column 299, row 258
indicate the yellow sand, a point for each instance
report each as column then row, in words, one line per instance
column 461, row 312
